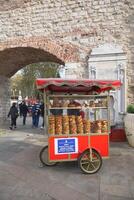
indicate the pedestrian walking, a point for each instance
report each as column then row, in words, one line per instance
column 24, row 110
column 13, row 113
column 35, row 114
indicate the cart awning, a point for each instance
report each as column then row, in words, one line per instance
column 75, row 85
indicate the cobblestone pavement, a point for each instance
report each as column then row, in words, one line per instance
column 23, row 178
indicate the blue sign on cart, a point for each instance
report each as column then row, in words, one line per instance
column 66, row 145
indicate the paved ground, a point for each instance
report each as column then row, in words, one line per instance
column 23, row 178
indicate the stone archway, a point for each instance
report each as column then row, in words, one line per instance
column 16, row 54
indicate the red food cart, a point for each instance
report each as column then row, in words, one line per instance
column 77, row 121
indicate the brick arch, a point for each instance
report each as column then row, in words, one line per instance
column 17, row 53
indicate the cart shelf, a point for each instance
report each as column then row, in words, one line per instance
column 68, row 108
column 79, row 134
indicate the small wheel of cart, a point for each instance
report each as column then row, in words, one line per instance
column 44, row 157
column 90, row 161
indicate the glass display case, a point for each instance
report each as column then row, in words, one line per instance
column 77, row 114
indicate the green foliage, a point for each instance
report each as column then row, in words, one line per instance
column 25, row 81
column 130, row 108
column 16, row 82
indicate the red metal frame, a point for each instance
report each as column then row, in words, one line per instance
column 98, row 142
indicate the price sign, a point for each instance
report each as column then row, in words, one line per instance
column 66, row 145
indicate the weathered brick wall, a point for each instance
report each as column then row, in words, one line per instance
column 85, row 23
column 4, row 99
column 82, row 23
column 70, row 20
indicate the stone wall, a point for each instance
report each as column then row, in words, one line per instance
column 4, row 99
column 83, row 23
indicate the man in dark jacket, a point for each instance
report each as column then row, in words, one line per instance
column 24, row 110
column 13, row 112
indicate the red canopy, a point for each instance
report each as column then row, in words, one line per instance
column 75, row 85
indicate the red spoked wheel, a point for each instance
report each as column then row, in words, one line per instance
column 90, row 161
